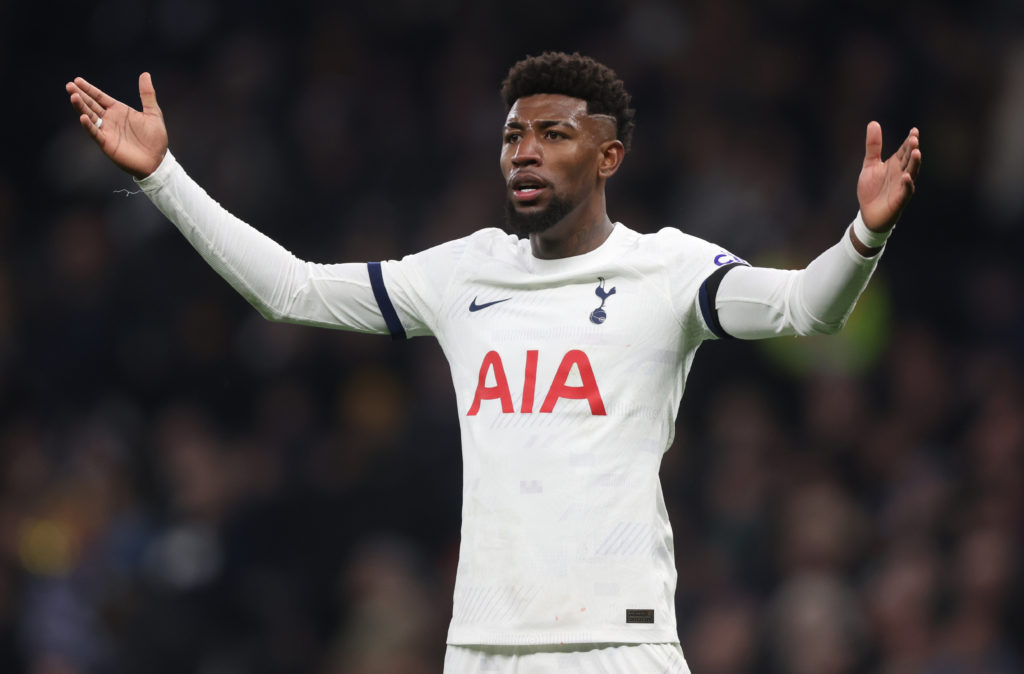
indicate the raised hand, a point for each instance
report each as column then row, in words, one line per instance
column 135, row 141
column 885, row 188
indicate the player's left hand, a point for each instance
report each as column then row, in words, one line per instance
column 885, row 188
column 134, row 140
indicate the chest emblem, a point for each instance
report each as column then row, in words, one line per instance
column 598, row 315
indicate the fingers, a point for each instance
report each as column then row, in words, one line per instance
column 908, row 186
column 90, row 112
column 909, row 157
column 873, row 144
column 85, row 105
column 911, row 141
column 95, row 93
column 147, row 94
column 906, row 151
column 915, row 163
column 91, row 127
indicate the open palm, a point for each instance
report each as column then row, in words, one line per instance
column 135, row 141
column 884, row 188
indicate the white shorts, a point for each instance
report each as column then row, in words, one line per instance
column 582, row 658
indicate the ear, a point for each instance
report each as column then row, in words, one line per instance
column 612, row 154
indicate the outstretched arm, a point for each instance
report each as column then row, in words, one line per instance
column 135, row 141
column 280, row 286
column 755, row 302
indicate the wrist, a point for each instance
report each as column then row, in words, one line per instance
column 159, row 175
column 870, row 241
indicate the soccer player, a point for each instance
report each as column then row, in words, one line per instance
column 568, row 349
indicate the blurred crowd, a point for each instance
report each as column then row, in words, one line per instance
column 187, row 488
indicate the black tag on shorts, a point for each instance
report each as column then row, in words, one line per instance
column 640, row 615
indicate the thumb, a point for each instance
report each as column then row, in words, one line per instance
column 873, row 144
column 147, row 94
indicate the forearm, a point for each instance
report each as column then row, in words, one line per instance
column 280, row 286
column 755, row 302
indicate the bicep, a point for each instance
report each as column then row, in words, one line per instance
column 337, row 296
column 757, row 302
column 752, row 302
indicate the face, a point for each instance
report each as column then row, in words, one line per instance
column 551, row 158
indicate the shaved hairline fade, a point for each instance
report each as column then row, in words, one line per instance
column 577, row 76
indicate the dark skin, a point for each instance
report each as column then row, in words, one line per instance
column 549, row 139
column 552, row 138
column 135, row 141
column 884, row 188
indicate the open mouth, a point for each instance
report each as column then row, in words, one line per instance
column 527, row 187
column 528, row 194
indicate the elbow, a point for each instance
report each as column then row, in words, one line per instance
column 817, row 327
column 830, row 328
column 808, row 323
column 270, row 313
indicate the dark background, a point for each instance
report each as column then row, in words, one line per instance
column 185, row 487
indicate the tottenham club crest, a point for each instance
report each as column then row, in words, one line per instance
column 598, row 315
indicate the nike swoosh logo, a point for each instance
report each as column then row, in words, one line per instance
column 473, row 306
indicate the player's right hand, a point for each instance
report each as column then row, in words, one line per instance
column 135, row 141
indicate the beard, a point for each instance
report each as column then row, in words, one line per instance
column 525, row 224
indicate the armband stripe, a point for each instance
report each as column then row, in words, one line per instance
column 387, row 309
column 706, row 296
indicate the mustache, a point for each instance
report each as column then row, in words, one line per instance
column 526, row 178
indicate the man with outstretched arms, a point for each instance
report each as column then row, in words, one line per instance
column 568, row 349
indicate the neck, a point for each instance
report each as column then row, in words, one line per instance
column 579, row 232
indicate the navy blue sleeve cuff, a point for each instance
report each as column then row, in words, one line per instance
column 387, row 309
column 706, row 296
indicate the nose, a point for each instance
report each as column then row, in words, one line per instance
column 527, row 151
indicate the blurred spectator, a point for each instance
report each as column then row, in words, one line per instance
column 816, row 626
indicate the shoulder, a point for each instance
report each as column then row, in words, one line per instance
column 676, row 240
column 675, row 246
column 484, row 241
column 679, row 262
column 492, row 240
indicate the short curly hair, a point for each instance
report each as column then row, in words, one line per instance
column 577, row 76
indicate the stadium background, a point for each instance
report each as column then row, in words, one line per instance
column 185, row 487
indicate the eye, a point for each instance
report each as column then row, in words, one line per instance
column 551, row 134
column 511, row 137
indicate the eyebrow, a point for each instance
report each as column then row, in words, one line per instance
column 542, row 124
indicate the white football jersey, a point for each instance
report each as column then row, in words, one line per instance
column 568, row 375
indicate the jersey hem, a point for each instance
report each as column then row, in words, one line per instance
column 472, row 637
